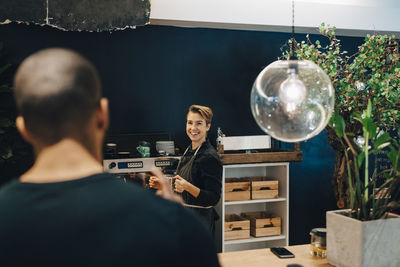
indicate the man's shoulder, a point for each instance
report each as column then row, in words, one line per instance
column 102, row 193
column 9, row 186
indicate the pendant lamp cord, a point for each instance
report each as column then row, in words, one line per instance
column 292, row 37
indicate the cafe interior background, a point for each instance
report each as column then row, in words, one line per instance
column 208, row 53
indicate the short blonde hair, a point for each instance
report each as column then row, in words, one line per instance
column 204, row 112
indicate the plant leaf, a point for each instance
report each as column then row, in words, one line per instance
column 369, row 126
column 338, row 124
column 384, row 138
column 6, row 123
column 6, row 153
column 392, row 155
column 360, row 158
column 5, row 88
column 4, row 68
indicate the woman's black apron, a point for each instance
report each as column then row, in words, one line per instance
column 184, row 170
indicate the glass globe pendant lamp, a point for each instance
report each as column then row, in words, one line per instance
column 292, row 100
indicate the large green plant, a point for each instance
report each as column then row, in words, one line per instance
column 15, row 154
column 367, row 106
column 370, row 200
column 6, row 124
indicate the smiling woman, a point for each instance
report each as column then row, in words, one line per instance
column 199, row 171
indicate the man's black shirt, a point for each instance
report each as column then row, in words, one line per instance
column 97, row 221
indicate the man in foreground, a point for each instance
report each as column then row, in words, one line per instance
column 64, row 211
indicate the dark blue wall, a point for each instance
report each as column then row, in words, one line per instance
column 152, row 74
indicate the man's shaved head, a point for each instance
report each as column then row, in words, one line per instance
column 56, row 91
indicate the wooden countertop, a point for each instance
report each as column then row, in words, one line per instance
column 276, row 156
column 264, row 257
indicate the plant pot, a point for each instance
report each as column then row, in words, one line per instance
column 355, row 243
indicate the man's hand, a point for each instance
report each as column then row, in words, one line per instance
column 154, row 182
column 164, row 188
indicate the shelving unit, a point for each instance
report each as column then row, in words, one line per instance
column 277, row 206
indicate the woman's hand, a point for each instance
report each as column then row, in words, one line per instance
column 183, row 185
column 180, row 184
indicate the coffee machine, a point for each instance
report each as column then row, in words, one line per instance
column 127, row 157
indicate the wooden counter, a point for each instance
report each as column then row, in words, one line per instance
column 282, row 156
column 264, row 257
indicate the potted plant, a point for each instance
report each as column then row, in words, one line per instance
column 367, row 234
column 367, row 108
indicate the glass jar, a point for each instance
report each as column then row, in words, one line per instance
column 318, row 242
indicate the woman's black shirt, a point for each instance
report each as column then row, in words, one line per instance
column 206, row 175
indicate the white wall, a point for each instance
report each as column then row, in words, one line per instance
column 351, row 17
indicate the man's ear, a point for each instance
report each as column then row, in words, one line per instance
column 20, row 123
column 102, row 115
column 209, row 126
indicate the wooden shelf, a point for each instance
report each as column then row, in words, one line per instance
column 254, row 201
column 254, row 239
column 279, row 207
column 238, row 158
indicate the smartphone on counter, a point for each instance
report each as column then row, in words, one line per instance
column 282, row 252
